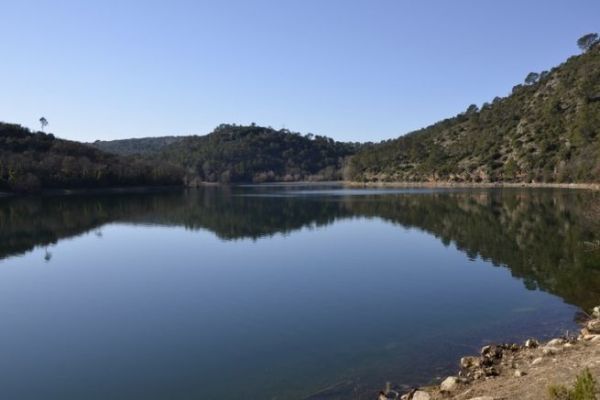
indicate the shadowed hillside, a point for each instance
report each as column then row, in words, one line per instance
column 32, row 161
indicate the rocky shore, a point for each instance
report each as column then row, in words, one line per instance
column 445, row 184
column 517, row 371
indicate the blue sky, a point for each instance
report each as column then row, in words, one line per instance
column 353, row 70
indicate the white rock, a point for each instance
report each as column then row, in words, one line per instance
column 449, row 384
column 593, row 326
column 537, row 361
column 555, row 342
column 469, row 362
column 421, row 395
column 519, row 373
column 482, row 398
column 531, row 343
column 596, row 312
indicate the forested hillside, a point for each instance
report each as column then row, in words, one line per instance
column 139, row 146
column 234, row 153
column 547, row 130
column 31, row 161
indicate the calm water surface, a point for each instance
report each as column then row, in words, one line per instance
column 280, row 292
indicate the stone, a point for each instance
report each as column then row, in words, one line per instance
column 567, row 345
column 593, row 326
column 596, row 312
column 491, row 352
column 589, row 336
column 421, row 395
column 555, row 342
column 531, row 343
column 551, row 350
column 470, row 362
column 519, row 373
column 491, row 371
column 449, row 384
column 482, row 398
column 537, row 361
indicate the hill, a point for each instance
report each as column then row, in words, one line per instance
column 547, row 130
column 32, row 161
column 234, row 153
column 138, row 146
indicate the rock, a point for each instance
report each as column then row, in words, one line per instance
column 482, row 398
column 531, row 343
column 449, row 384
column 589, row 336
column 421, row 395
column 519, row 373
column 470, row 362
column 491, row 371
column 551, row 350
column 491, row 352
column 593, row 326
column 596, row 312
column 567, row 345
column 537, row 361
column 555, row 342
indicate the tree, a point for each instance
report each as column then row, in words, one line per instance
column 43, row 122
column 472, row 109
column 532, row 78
column 588, row 41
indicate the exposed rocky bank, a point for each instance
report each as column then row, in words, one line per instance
column 518, row 371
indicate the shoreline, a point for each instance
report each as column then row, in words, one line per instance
column 578, row 186
column 513, row 371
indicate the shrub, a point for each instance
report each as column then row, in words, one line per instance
column 584, row 389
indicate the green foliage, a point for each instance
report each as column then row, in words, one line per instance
column 532, row 78
column 545, row 131
column 31, row 161
column 586, row 42
column 584, row 389
column 234, row 153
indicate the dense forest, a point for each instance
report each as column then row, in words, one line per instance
column 547, row 130
column 32, row 161
column 234, row 153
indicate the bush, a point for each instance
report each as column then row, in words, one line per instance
column 584, row 389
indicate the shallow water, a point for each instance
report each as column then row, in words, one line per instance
column 280, row 292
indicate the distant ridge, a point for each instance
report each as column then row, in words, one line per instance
column 136, row 146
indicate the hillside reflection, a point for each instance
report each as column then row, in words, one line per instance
column 547, row 238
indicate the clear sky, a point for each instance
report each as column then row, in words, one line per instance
column 350, row 69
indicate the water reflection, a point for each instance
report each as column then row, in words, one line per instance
column 548, row 238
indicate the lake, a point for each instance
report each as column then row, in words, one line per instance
column 281, row 291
